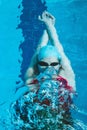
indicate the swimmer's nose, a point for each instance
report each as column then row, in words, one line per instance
column 49, row 66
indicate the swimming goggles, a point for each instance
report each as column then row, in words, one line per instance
column 42, row 63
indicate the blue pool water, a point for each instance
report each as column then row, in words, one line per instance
column 19, row 35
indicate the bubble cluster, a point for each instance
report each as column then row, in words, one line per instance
column 44, row 109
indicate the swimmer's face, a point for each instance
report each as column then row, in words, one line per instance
column 48, row 62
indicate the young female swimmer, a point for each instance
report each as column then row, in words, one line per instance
column 50, row 55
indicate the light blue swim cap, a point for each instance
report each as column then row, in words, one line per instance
column 48, row 51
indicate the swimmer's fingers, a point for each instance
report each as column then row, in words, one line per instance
column 42, row 17
column 39, row 18
column 28, row 81
column 49, row 15
column 47, row 18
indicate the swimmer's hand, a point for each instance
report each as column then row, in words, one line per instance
column 31, row 81
column 47, row 18
column 32, row 84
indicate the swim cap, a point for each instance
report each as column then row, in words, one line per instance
column 48, row 51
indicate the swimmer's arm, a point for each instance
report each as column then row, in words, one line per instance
column 32, row 69
column 67, row 72
column 43, row 40
column 49, row 22
column 30, row 72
